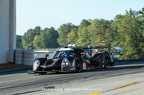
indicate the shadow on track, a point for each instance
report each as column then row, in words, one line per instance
column 119, row 65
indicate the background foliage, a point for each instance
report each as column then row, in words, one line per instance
column 126, row 31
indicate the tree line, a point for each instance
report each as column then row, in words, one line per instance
column 126, row 31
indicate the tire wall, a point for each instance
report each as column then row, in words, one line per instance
column 24, row 56
column 18, row 56
column 28, row 57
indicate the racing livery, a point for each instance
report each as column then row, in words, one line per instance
column 72, row 59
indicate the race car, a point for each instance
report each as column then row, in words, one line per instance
column 71, row 60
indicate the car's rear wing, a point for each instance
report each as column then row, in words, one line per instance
column 96, row 49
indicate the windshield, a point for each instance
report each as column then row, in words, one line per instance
column 62, row 54
column 87, row 55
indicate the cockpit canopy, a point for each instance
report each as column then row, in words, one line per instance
column 63, row 54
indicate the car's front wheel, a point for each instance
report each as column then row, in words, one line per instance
column 78, row 66
column 36, row 64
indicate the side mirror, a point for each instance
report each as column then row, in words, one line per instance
column 46, row 55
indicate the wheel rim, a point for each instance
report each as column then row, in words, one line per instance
column 107, row 63
column 36, row 65
column 78, row 67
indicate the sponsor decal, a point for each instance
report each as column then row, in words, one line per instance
column 84, row 65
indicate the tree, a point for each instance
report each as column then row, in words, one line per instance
column 37, row 42
column 48, row 38
column 127, row 29
column 37, row 30
column 18, row 41
column 54, row 37
column 28, row 38
column 63, row 32
column 140, row 19
column 83, row 33
column 115, row 24
column 72, row 36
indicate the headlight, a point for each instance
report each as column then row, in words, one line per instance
column 36, row 64
column 65, row 62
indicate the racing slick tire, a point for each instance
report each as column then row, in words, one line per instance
column 106, row 62
column 78, row 66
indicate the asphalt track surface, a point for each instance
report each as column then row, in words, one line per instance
column 19, row 82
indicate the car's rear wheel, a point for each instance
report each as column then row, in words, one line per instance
column 107, row 62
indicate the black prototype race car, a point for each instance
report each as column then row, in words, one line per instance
column 72, row 59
